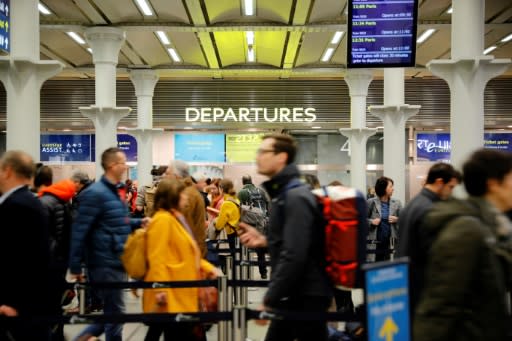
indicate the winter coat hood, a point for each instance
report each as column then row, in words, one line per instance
column 64, row 190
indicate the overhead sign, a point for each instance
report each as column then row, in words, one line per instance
column 199, row 147
column 207, row 115
column 65, row 148
column 5, row 27
column 437, row 146
column 242, row 147
column 387, row 297
column 381, row 33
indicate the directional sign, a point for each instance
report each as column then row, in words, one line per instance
column 387, row 297
column 5, row 28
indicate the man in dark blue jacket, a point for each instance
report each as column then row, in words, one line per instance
column 295, row 240
column 24, row 251
column 98, row 235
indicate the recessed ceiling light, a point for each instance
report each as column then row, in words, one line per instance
column 163, row 37
column 327, row 54
column 449, row 10
column 43, row 9
column 425, row 35
column 249, row 36
column 249, row 7
column 439, row 129
column 337, row 37
column 89, row 49
column 490, row 48
column 507, row 38
column 76, row 38
column 316, row 127
column 66, row 129
column 188, row 128
column 144, row 7
column 251, row 56
column 174, row 54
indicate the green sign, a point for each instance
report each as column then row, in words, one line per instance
column 242, row 147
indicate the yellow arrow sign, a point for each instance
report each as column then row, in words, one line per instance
column 388, row 329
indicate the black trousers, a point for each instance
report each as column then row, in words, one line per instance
column 281, row 330
column 176, row 332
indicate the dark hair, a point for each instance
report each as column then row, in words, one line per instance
column 311, row 180
column 43, row 175
column 167, row 194
column 109, row 156
column 335, row 183
column 158, row 171
column 246, row 180
column 443, row 171
column 20, row 162
column 284, row 143
column 483, row 165
column 227, row 186
column 381, row 185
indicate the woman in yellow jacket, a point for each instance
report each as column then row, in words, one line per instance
column 173, row 255
column 229, row 215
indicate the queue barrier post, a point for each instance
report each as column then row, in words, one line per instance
column 239, row 323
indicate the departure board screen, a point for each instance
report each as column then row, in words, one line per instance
column 381, row 33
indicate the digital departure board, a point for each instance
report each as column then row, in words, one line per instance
column 381, row 33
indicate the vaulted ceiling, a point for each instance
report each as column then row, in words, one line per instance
column 290, row 36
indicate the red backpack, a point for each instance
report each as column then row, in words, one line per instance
column 344, row 210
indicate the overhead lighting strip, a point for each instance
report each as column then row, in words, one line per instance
column 43, row 9
column 174, row 55
column 425, row 35
column 490, row 48
column 76, row 38
column 144, row 7
column 248, row 7
column 328, row 54
column 163, row 37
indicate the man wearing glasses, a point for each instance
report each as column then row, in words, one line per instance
column 295, row 241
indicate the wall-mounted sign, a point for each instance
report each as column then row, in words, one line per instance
column 437, row 146
column 242, row 147
column 65, row 148
column 381, row 33
column 207, row 115
column 199, row 147
column 5, row 26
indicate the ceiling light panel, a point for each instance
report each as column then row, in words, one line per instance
column 163, row 37
column 174, row 55
column 489, row 49
column 337, row 37
column 249, row 36
column 507, row 38
column 327, row 54
column 251, row 55
column 144, row 7
column 248, row 7
column 76, row 38
column 43, row 9
column 425, row 35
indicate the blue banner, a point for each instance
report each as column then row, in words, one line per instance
column 437, row 146
column 125, row 142
column 199, row 147
column 66, row 148
column 5, row 27
column 387, row 297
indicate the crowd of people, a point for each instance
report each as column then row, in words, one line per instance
column 460, row 250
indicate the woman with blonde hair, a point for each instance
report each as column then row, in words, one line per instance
column 173, row 255
column 229, row 215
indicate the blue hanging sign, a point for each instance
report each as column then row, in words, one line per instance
column 438, row 146
column 66, row 148
column 125, row 142
column 5, row 26
column 387, row 297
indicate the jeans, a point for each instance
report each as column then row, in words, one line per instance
column 112, row 303
column 282, row 330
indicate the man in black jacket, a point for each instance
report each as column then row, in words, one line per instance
column 24, row 251
column 295, row 241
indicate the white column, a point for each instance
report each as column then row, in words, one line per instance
column 23, row 74
column 144, row 82
column 105, row 43
column 358, row 82
column 394, row 113
column 467, row 74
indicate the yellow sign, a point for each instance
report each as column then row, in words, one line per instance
column 388, row 329
column 242, row 147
